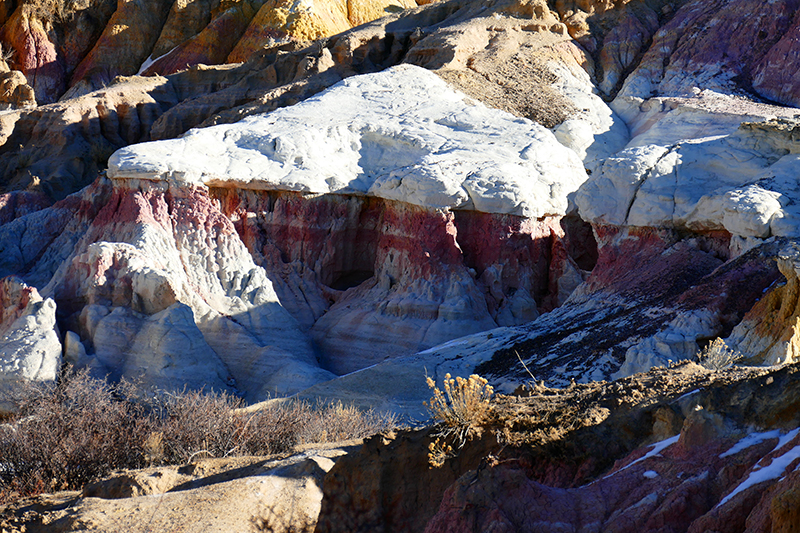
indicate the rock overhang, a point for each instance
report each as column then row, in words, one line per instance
column 402, row 134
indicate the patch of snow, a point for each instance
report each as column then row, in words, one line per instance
column 751, row 440
column 149, row 61
column 650, row 474
column 785, row 439
column 576, row 337
column 682, row 396
column 658, row 447
column 774, row 471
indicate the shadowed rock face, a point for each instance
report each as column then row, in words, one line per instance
column 710, row 45
column 338, row 260
column 681, row 448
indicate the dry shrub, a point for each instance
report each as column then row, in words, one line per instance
column 196, row 424
column 52, row 10
column 82, row 429
column 464, row 402
column 460, row 410
column 336, row 421
column 64, row 436
column 717, row 356
column 206, row 424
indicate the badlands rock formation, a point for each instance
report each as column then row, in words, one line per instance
column 461, row 282
column 548, row 192
column 691, row 213
column 155, row 286
column 30, row 348
column 76, row 47
column 708, row 466
column 164, row 272
column 404, row 154
column 382, row 229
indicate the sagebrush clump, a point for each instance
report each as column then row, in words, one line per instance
column 460, row 409
column 717, row 356
column 67, row 435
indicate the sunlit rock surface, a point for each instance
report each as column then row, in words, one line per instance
column 30, row 347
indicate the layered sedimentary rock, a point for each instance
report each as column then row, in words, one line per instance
column 390, row 214
column 683, row 202
column 79, row 47
column 663, row 196
column 68, row 143
column 501, row 69
column 24, row 31
column 381, row 220
column 210, row 46
column 409, row 216
column 679, row 262
column 125, row 43
column 695, row 185
column 114, row 298
column 686, row 482
column 160, row 288
column 710, row 45
column 768, row 333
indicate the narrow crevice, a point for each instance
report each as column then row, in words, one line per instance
column 581, row 243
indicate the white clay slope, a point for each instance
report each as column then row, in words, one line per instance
column 401, row 134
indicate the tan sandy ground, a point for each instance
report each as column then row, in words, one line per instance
column 211, row 495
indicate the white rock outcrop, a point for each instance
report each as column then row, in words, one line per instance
column 401, row 134
column 30, row 348
column 594, row 131
column 404, row 136
column 742, row 182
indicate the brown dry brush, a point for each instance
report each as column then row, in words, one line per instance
column 64, row 436
column 82, row 429
column 54, row 10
